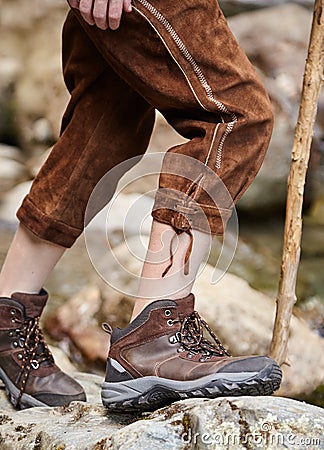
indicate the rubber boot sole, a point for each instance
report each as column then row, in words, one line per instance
column 150, row 393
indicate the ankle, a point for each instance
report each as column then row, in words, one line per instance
column 139, row 305
column 142, row 303
column 7, row 293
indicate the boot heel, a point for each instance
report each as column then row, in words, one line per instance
column 118, row 392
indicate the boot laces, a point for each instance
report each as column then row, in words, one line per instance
column 193, row 338
column 35, row 351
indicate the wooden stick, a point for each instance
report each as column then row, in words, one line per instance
column 313, row 78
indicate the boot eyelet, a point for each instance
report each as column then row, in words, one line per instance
column 13, row 320
column 167, row 313
column 170, row 322
column 35, row 364
column 20, row 356
column 12, row 312
column 175, row 338
column 21, row 342
column 181, row 350
column 15, row 344
column 204, row 358
column 11, row 333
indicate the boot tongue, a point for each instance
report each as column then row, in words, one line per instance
column 186, row 305
column 33, row 303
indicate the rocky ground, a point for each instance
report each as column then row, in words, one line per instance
column 32, row 98
column 225, row 423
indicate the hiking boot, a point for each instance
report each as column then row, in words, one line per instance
column 27, row 366
column 164, row 355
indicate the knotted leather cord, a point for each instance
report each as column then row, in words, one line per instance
column 192, row 337
column 35, row 349
column 183, row 208
column 188, row 252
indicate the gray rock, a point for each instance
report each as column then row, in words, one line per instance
column 77, row 427
column 224, row 423
column 234, row 423
column 11, row 153
column 276, row 41
column 31, row 37
column 10, row 70
column 121, row 216
column 11, row 201
column 236, row 6
column 12, row 168
column 11, row 172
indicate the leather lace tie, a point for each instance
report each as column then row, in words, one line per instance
column 192, row 338
column 35, row 350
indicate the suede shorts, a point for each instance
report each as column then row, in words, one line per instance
column 181, row 59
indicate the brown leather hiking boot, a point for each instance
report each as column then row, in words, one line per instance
column 163, row 356
column 27, row 366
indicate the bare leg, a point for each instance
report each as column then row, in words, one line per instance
column 175, row 284
column 28, row 263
